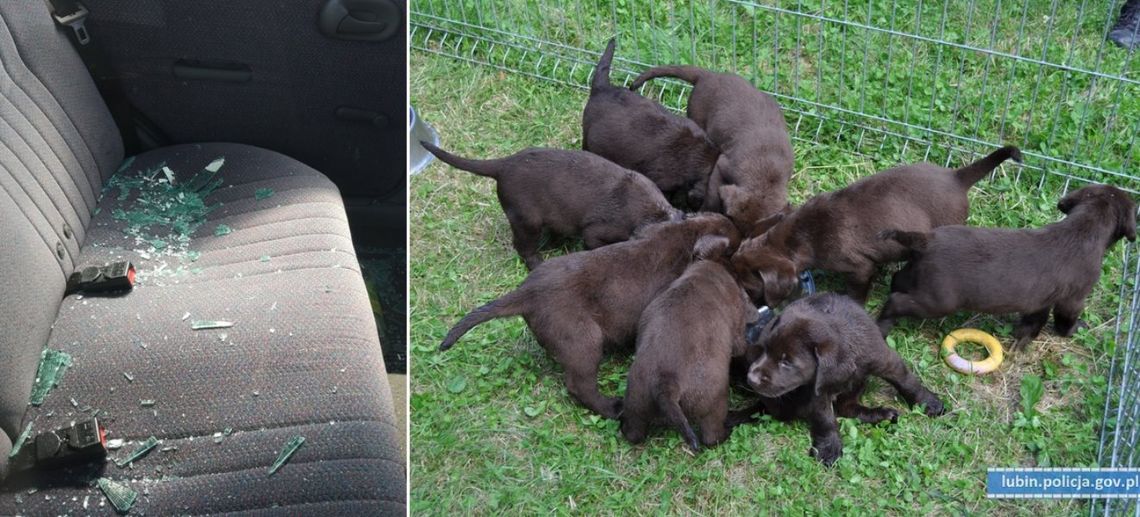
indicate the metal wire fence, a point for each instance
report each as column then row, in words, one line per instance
column 905, row 79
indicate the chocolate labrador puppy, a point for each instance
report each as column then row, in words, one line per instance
column 640, row 134
column 580, row 304
column 1002, row 271
column 570, row 193
column 685, row 340
column 750, row 180
column 812, row 362
column 839, row 231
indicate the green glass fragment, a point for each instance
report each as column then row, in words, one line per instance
column 286, row 453
column 129, row 377
column 222, row 230
column 262, row 193
column 216, row 165
column 206, row 325
column 126, row 163
column 53, row 364
column 164, row 212
column 139, row 452
column 20, row 441
column 265, row 258
column 122, row 496
column 193, row 255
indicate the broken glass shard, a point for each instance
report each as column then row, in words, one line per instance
column 139, row 452
column 146, row 402
column 263, row 193
column 53, row 364
column 163, row 212
column 286, row 453
column 129, row 377
column 115, row 444
column 265, row 258
column 216, row 165
column 20, row 441
column 222, row 230
column 208, row 324
column 126, row 163
column 122, row 497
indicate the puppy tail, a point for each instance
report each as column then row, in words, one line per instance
column 687, row 73
column 669, row 400
column 488, row 168
column 507, row 305
column 913, row 241
column 974, row 172
column 602, row 71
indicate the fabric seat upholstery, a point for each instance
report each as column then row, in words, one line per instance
column 303, row 357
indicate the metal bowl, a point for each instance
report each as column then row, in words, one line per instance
column 418, row 157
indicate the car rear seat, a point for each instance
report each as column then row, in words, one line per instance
column 303, row 357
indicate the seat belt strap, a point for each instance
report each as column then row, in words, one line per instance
column 73, row 15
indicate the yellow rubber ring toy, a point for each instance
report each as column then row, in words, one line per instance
column 956, row 361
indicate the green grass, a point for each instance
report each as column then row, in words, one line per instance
column 493, row 428
column 920, row 84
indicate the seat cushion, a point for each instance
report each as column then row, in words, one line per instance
column 302, row 358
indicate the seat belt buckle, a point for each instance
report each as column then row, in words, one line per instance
column 80, row 442
column 76, row 21
column 116, row 276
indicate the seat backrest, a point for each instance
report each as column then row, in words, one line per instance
column 58, row 145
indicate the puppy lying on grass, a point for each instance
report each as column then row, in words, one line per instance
column 640, row 134
column 685, row 341
column 580, row 304
column 570, row 193
column 812, row 361
column 839, row 231
column 1002, row 271
column 750, row 180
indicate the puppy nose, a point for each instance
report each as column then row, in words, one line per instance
column 755, row 378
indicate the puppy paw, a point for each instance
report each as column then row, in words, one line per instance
column 1073, row 329
column 694, row 444
column 617, row 409
column 877, row 414
column 827, row 451
column 934, row 407
column 634, row 436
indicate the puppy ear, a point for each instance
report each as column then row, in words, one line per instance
column 1127, row 227
column 1068, row 202
column 835, row 368
column 711, row 247
column 725, row 169
column 779, row 276
column 777, row 286
column 1125, row 216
